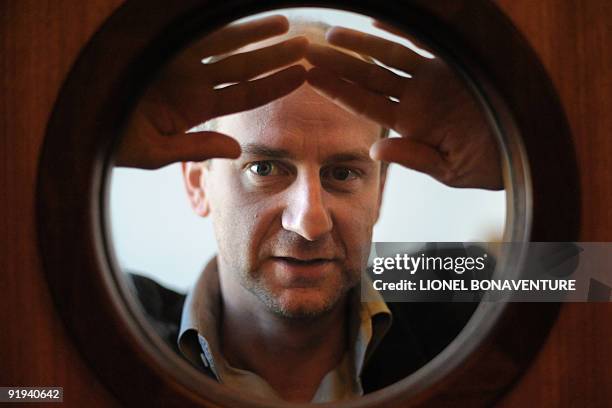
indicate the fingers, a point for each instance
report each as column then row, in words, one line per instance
column 389, row 28
column 198, row 146
column 235, row 36
column 396, row 31
column 353, row 97
column 143, row 147
column 247, row 65
column 252, row 94
column 368, row 75
column 388, row 52
column 412, row 154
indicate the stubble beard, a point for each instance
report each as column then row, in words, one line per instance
column 304, row 311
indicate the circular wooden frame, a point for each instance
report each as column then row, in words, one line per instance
column 110, row 75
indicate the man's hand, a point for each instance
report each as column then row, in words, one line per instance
column 444, row 132
column 185, row 94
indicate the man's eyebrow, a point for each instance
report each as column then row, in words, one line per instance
column 354, row 155
column 257, row 149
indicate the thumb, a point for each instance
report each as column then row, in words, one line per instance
column 199, row 146
column 411, row 154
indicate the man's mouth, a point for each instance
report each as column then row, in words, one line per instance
column 304, row 267
column 305, row 262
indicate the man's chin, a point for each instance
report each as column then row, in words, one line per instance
column 301, row 303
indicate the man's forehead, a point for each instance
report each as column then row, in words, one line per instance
column 334, row 155
column 303, row 120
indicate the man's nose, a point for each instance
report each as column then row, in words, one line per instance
column 306, row 213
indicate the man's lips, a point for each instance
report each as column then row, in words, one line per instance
column 310, row 268
column 303, row 261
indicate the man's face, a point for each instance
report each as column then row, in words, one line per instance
column 293, row 216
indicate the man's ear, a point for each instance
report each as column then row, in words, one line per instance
column 194, row 176
column 381, row 188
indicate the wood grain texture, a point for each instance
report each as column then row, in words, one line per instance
column 39, row 42
column 41, row 39
column 572, row 38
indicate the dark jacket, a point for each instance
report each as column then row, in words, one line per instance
column 419, row 331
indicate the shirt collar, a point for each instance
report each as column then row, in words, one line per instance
column 198, row 335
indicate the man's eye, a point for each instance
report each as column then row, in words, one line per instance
column 263, row 168
column 342, row 174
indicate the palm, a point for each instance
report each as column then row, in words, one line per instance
column 188, row 93
column 444, row 132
